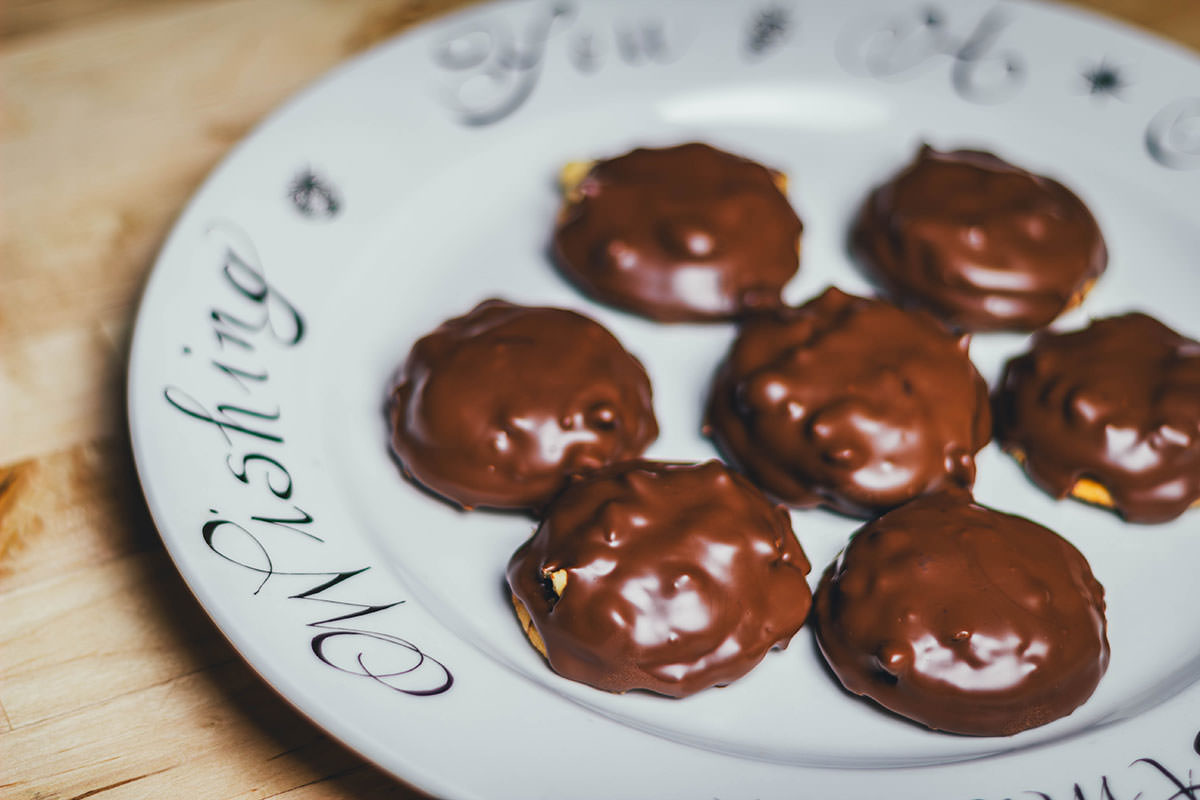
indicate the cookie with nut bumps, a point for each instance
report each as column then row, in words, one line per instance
column 496, row 408
column 850, row 403
column 669, row 578
column 963, row 618
column 685, row 233
column 981, row 243
column 1109, row 414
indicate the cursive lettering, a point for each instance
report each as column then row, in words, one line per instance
column 244, row 274
column 642, row 42
column 495, row 70
column 901, row 47
column 244, row 475
column 585, row 53
column 430, row 675
column 1180, row 788
column 1105, row 791
column 265, row 567
column 281, row 541
column 1173, row 135
column 383, row 657
column 187, row 404
column 1186, row 790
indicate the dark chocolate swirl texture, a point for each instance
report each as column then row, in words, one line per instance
column 496, row 408
column 963, row 618
column 665, row 577
column 677, row 234
column 850, row 403
column 1110, row 414
column 979, row 242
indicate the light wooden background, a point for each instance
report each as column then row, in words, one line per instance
column 113, row 683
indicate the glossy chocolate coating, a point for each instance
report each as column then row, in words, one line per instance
column 963, row 618
column 678, row 577
column 851, row 403
column 683, row 233
column 498, row 407
column 1117, row 402
column 981, row 243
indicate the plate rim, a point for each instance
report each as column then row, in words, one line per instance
column 278, row 679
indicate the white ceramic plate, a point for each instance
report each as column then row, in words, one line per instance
column 420, row 179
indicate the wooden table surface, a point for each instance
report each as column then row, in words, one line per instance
column 113, row 682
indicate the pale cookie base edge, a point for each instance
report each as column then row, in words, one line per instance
column 526, row 621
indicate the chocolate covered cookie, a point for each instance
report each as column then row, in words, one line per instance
column 981, row 243
column 682, row 233
column 496, row 408
column 665, row 577
column 850, row 403
column 962, row 618
column 1109, row 414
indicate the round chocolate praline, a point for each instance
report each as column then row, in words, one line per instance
column 1117, row 404
column 850, row 403
column 665, row 577
column 979, row 242
column 963, row 618
column 496, row 408
column 681, row 233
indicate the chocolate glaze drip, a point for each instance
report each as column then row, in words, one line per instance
column 851, row 403
column 683, row 233
column 678, row 577
column 1118, row 403
column 963, row 618
column 979, row 242
column 497, row 407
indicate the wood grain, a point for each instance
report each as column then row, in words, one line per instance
column 113, row 682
